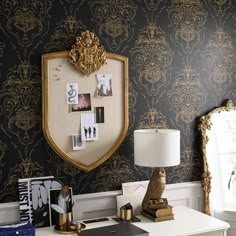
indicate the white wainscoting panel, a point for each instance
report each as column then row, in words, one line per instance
column 104, row 204
column 9, row 213
column 94, row 205
column 185, row 194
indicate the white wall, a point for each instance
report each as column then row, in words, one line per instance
column 105, row 204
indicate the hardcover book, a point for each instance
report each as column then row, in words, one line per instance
column 159, row 218
column 34, row 199
column 160, row 212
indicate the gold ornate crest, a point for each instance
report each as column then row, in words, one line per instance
column 87, row 55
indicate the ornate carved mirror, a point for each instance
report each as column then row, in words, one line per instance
column 85, row 102
column 218, row 135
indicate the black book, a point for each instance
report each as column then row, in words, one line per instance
column 34, row 199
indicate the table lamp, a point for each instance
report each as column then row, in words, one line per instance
column 156, row 148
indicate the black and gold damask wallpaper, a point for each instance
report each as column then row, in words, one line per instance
column 182, row 59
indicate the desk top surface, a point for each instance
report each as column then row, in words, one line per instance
column 187, row 222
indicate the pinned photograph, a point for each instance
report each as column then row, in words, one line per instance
column 104, row 85
column 90, row 132
column 71, row 93
column 77, row 143
column 60, row 201
column 84, row 103
column 99, row 111
column 89, row 129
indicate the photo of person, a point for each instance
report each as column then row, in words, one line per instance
column 89, row 129
column 77, row 143
column 104, row 85
column 84, row 103
column 55, row 199
column 90, row 132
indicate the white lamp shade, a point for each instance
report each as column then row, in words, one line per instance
column 157, row 147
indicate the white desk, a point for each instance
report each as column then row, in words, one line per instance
column 187, row 222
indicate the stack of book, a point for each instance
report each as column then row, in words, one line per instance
column 159, row 214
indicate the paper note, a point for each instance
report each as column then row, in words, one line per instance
column 89, row 129
column 71, row 93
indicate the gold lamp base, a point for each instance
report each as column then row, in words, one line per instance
column 154, row 206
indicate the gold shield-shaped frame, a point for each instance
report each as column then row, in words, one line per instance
column 59, row 123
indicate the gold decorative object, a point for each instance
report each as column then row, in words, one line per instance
column 57, row 135
column 126, row 212
column 65, row 224
column 156, row 148
column 87, row 55
column 153, row 197
column 205, row 125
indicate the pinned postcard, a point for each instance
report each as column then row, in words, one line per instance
column 104, row 85
column 77, row 142
column 71, row 93
column 84, row 103
column 99, row 111
column 89, row 129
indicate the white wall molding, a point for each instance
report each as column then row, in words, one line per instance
column 104, row 203
column 95, row 205
column 9, row 212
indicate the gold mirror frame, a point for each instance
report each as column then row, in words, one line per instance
column 204, row 126
column 117, row 65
